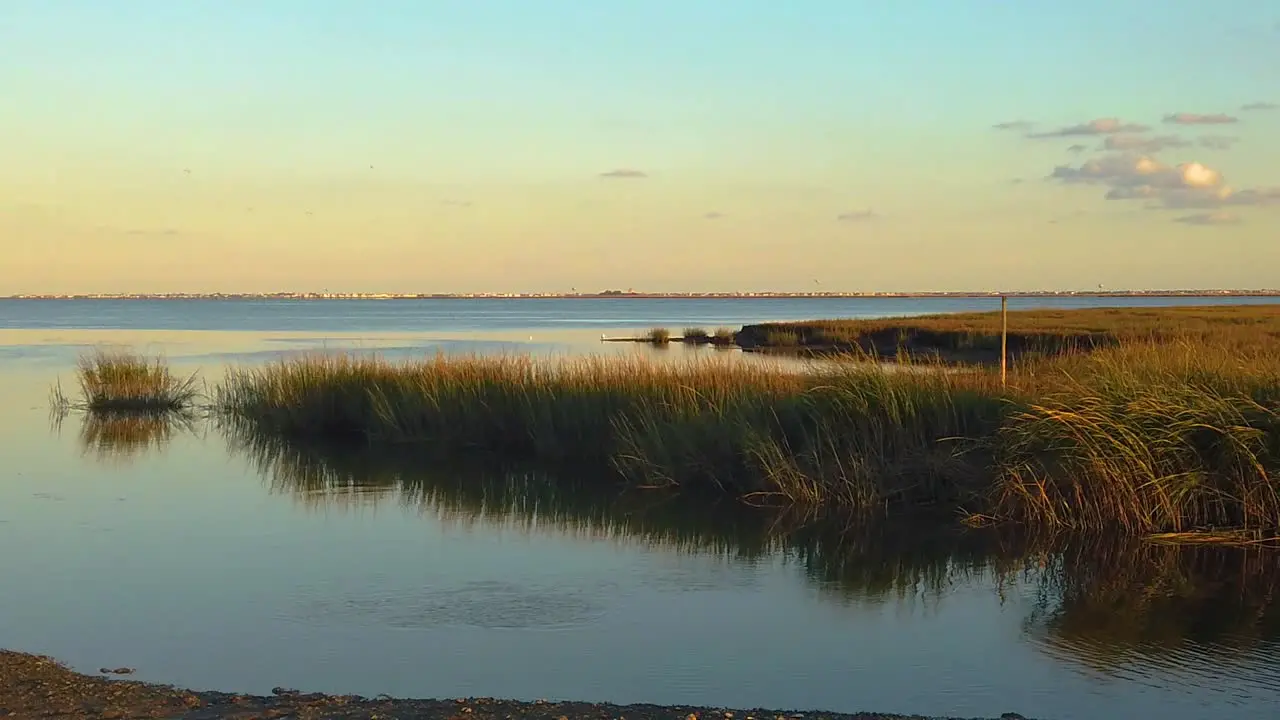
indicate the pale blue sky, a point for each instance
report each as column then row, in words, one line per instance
column 757, row 125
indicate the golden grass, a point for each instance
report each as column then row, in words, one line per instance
column 976, row 336
column 658, row 336
column 126, row 382
column 1143, row 438
column 724, row 337
column 695, row 335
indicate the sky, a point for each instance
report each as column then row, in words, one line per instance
column 664, row 145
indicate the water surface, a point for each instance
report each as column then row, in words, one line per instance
column 209, row 561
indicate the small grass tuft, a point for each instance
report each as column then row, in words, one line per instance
column 724, row 337
column 658, row 336
column 125, row 382
column 695, row 335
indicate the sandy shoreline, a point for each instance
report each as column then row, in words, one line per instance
column 34, row 686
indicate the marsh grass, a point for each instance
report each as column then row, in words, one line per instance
column 695, row 335
column 1144, row 438
column 975, row 337
column 724, row 337
column 658, row 336
column 126, row 382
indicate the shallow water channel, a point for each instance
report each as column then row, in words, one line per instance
column 211, row 561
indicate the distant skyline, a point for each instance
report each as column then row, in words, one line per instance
column 448, row 146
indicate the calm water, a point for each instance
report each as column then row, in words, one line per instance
column 210, row 562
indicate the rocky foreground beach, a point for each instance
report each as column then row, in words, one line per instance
column 34, row 686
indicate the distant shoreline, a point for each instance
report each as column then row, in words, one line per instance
column 657, row 296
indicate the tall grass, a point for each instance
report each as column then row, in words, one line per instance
column 1151, row 438
column 1140, row 438
column 126, row 382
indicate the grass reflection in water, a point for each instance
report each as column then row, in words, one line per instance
column 1120, row 606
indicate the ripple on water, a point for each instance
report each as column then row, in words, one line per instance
column 486, row 604
column 1189, row 668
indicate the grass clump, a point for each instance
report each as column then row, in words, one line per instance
column 724, row 337
column 658, row 336
column 695, row 335
column 125, row 382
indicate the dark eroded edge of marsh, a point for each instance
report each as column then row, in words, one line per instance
column 35, row 686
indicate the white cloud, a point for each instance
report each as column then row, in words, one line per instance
column 1190, row 185
column 1098, row 126
column 1198, row 119
column 1129, row 170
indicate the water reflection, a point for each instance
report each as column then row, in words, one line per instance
column 1138, row 609
column 1104, row 601
column 1177, row 618
column 122, row 437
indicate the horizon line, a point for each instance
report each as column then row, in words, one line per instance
column 614, row 294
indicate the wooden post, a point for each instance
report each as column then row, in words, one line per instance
column 1004, row 340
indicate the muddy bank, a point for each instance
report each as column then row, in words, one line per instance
column 33, row 686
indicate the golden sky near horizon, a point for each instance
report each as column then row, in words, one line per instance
column 294, row 166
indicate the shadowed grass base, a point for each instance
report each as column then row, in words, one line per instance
column 1141, row 438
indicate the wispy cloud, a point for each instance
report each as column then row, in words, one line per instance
column 1198, row 119
column 1259, row 106
column 856, row 216
column 1014, row 125
column 713, row 215
column 1224, row 196
column 456, row 203
column 1218, row 142
column 151, row 232
column 1212, row 218
column 1189, row 185
column 624, row 174
column 1077, row 148
column 1099, row 126
column 1139, row 143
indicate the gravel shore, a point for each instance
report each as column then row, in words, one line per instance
column 33, row 686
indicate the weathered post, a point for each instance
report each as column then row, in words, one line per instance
column 1004, row 340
